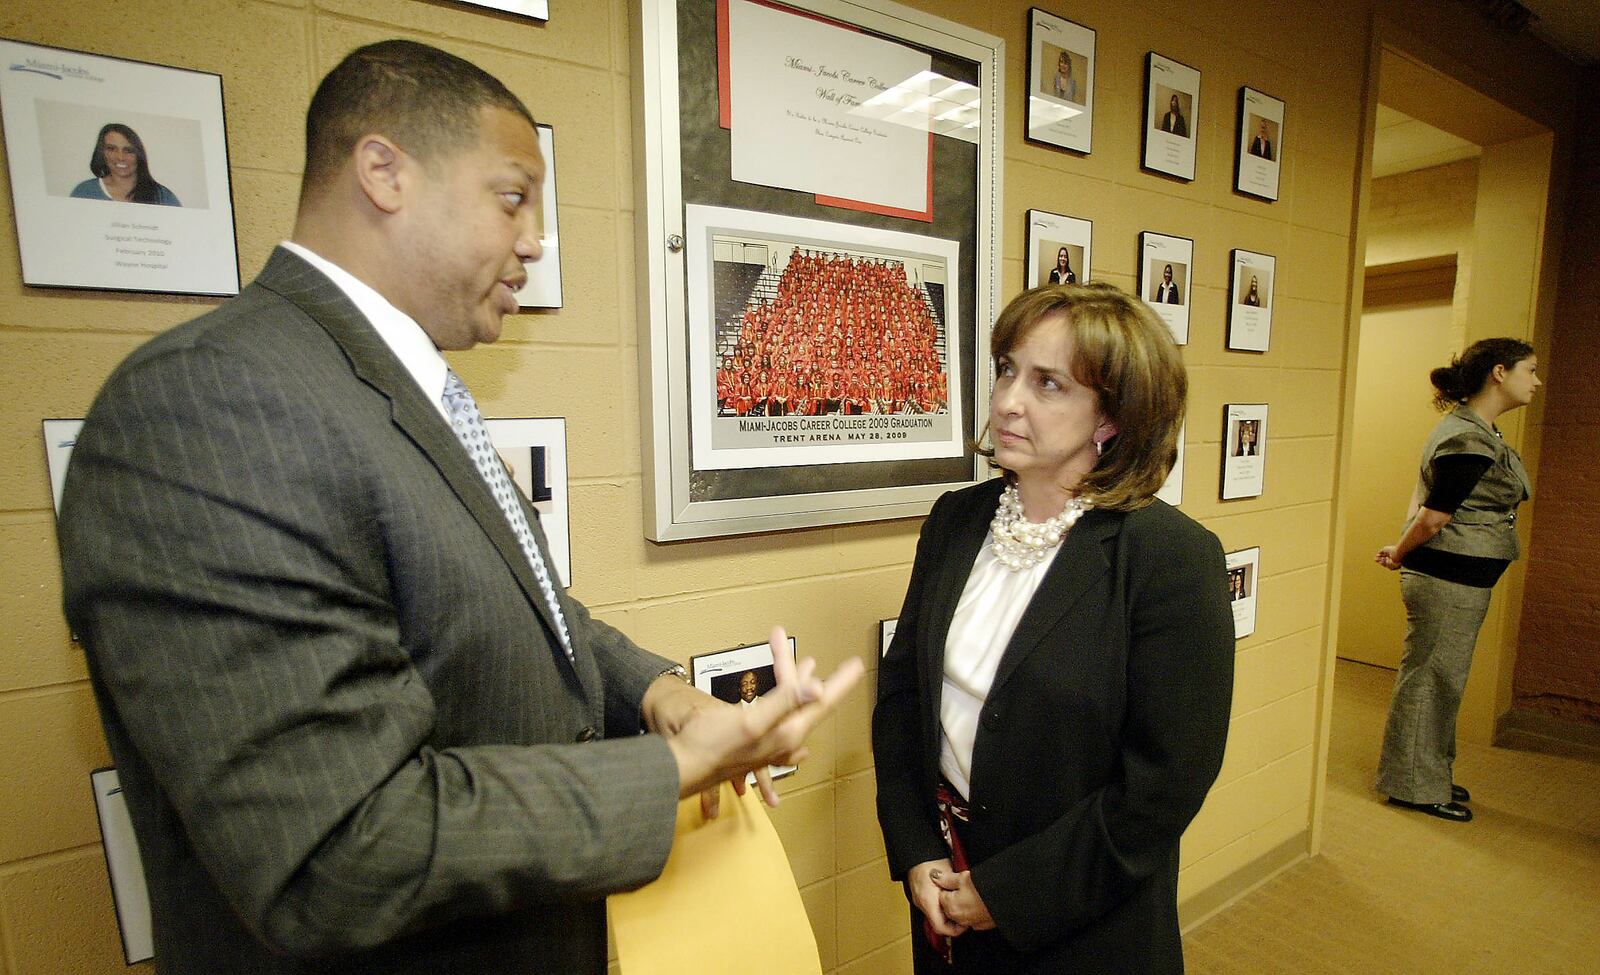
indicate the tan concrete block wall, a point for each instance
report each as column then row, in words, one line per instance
column 686, row 598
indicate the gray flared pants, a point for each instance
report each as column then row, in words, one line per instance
column 1419, row 741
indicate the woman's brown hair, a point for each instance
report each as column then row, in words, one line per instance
column 1125, row 354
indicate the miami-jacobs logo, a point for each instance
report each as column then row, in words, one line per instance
column 56, row 71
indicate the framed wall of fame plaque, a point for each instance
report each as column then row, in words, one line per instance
column 814, row 320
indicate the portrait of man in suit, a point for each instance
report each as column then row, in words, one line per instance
column 358, row 726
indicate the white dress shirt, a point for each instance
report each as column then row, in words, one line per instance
column 987, row 615
column 399, row 331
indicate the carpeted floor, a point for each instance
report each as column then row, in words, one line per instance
column 1514, row 892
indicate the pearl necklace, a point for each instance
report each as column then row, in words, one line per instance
column 1021, row 544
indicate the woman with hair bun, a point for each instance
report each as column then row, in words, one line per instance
column 1460, row 535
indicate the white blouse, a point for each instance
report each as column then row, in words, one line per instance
column 991, row 606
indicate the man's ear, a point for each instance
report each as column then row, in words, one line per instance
column 379, row 166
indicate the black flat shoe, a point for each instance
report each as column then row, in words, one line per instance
column 1459, row 793
column 1453, row 811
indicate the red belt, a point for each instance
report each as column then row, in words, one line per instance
column 953, row 809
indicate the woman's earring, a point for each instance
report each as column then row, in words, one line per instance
column 1101, row 434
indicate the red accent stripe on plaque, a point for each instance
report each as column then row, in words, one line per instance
column 724, row 86
column 925, row 215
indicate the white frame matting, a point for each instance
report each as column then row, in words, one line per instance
column 516, row 440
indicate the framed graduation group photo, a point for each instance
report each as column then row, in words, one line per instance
column 1059, row 248
column 119, row 173
column 819, row 243
column 1250, row 301
column 1164, row 265
column 1260, row 144
column 1060, row 82
column 1171, row 116
column 839, row 352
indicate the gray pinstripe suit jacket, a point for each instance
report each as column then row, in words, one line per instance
column 346, row 735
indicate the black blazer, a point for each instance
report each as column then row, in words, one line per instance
column 1101, row 735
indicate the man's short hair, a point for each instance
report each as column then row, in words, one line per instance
column 423, row 99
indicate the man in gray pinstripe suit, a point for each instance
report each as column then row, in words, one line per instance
column 350, row 732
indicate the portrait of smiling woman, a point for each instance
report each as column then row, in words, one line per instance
column 1054, row 705
column 121, row 169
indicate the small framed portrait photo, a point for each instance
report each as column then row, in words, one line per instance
column 60, row 436
column 1171, row 116
column 1164, row 264
column 1250, row 302
column 1244, row 572
column 1172, row 488
column 535, row 451
column 1244, row 450
column 536, row 9
column 1058, row 248
column 119, row 173
column 543, row 289
column 1260, row 144
column 740, row 676
column 1060, row 82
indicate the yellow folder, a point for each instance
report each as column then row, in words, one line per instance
column 726, row 901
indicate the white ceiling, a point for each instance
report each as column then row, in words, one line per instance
column 1571, row 25
column 1402, row 144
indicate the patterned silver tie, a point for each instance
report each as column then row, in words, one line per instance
column 468, row 424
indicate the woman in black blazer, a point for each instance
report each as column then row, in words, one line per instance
column 1054, row 705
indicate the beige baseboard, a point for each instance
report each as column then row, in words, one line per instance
column 1199, row 908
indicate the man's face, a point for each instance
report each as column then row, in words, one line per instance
column 472, row 220
column 1174, row 104
column 1166, row 274
column 747, row 686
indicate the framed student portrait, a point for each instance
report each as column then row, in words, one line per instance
column 1244, row 577
column 1259, row 155
column 1060, row 82
column 1250, row 302
column 119, row 173
column 1059, row 248
column 1171, row 116
column 1165, row 263
column 543, row 289
column 1244, row 450
column 535, row 451
column 535, row 9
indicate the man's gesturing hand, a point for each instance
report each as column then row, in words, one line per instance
column 714, row 744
